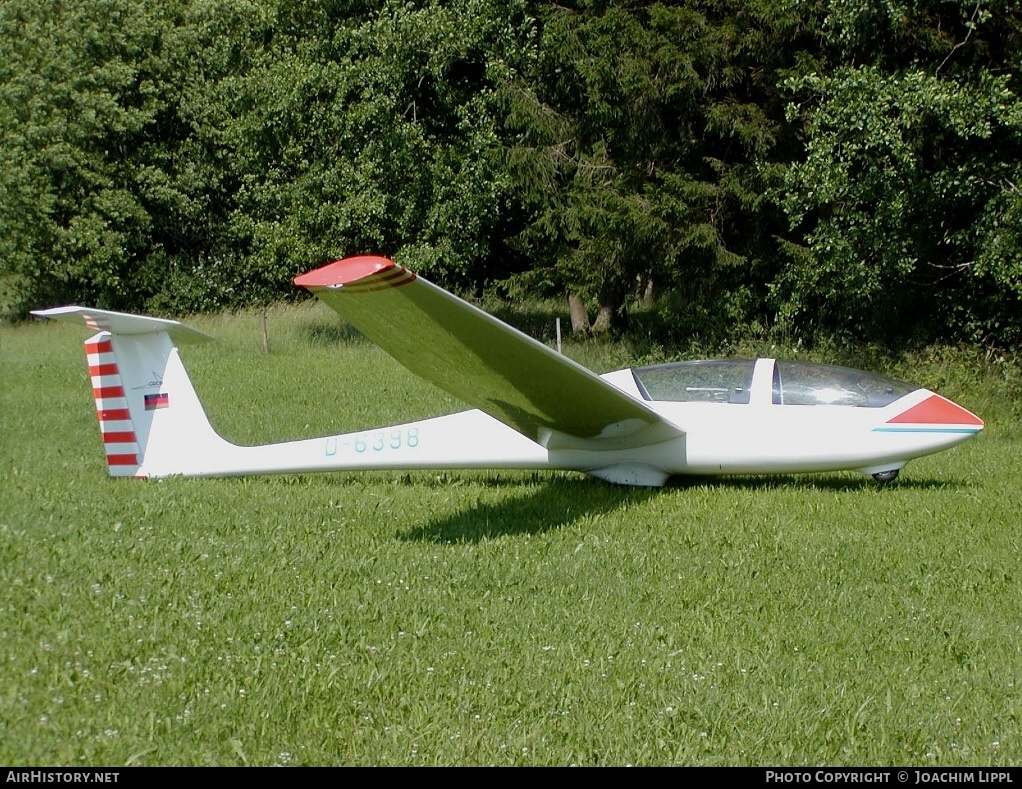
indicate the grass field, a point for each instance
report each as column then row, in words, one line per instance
column 480, row 618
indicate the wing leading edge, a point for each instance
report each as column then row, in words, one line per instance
column 483, row 361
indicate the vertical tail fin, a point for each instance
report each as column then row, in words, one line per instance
column 136, row 377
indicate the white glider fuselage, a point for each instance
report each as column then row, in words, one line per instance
column 532, row 407
column 755, row 437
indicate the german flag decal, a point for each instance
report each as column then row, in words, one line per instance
column 154, row 401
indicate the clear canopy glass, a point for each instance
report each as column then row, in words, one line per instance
column 716, row 381
column 794, row 383
column 804, row 383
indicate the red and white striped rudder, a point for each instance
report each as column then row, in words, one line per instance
column 115, row 424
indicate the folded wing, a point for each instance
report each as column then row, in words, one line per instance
column 483, row 361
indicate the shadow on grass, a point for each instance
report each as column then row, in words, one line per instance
column 552, row 504
column 547, row 505
column 831, row 482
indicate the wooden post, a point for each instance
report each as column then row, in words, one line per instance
column 558, row 335
column 266, row 336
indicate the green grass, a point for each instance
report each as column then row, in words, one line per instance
column 506, row 618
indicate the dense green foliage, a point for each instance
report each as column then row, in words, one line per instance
column 909, row 187
column 791, row 165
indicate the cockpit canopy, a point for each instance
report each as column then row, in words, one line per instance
column 717, row 381
column 793, row 383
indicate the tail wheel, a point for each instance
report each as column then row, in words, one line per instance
column 883, row 477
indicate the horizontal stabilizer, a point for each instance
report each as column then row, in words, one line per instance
column 124, row 323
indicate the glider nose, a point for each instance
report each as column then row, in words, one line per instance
column 936, row 414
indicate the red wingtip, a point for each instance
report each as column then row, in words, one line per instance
column 937, row 410
column 344, row 272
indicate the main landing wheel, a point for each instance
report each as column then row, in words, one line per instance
column 883, row 477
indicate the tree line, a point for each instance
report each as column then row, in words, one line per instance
column 804, row 166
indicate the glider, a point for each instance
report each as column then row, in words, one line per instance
column 531, row 407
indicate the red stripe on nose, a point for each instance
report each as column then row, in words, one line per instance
column 936, row 410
